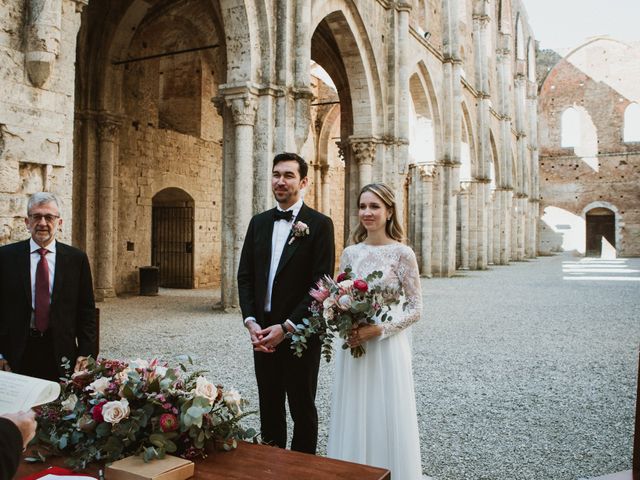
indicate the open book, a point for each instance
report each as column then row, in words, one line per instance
column 21, row 393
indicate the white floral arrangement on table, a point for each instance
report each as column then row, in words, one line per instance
column 114, row 409
column 299, row 230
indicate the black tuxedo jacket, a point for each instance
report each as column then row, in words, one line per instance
column 303, row 262
column 10, row 448
column 73, row 319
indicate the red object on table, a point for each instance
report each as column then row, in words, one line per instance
column 53, row 471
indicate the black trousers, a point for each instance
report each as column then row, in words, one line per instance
column 38, row 359
column 284, row 377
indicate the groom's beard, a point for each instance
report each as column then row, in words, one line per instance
column 283, row 196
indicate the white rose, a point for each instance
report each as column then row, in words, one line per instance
column 99, row 386
column 121, row 377
column 346, row 284
column 206, row 389
column 70, row 403
column 114, row 412
column 232, row 399
column 344, row 302
column 139, row 363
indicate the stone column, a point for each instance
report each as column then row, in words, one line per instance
column 108, row 128
column 325, row 190
column 243, row 109
column 426, row 199
column 490, row 248
column 463, row 202
column 302, row 77
column 364, row 151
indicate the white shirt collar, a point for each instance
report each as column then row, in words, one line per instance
column 295, row 208
column 34, row 247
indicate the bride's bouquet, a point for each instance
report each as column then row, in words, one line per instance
column 341, row 305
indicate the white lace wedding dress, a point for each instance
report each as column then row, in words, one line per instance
column 373, row 407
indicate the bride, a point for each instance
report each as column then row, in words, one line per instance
column 373, row 407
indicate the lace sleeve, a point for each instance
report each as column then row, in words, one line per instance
column 345, row 261
column 411, row 311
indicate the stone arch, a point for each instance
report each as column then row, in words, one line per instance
column 425, row 107
column 495, row 163
column 468, row 162
column 341, row 46
column 531, row 60
column 504, row 17
column 520, row 45
column 343, row 31
column 121, row 150
column 600, row 207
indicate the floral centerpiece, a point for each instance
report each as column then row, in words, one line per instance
column 114, row 409
column 341, row 305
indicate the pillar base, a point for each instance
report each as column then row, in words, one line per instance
column 102, row 293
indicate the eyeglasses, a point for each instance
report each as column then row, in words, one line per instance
column 36, row 217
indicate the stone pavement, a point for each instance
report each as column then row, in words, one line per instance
column 526, row 371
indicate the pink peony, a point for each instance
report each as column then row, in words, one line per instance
column 168, row 422
column 360, row 285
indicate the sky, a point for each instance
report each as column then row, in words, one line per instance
column 565, row 24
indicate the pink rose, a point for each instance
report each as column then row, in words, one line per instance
column 96, row 412
column 360, row 285
column 168, row 422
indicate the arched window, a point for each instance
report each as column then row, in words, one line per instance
column 570, row 128
column 520, row 55
column 531, row 60
column 632, row 123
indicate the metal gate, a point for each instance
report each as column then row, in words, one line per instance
column 172, row 245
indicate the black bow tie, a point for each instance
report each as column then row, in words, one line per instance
column 280, row 215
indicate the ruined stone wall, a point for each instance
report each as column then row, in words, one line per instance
column 598, row 80
column 151, row 160
column 36, row 108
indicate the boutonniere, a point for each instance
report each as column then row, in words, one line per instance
column 299, row 230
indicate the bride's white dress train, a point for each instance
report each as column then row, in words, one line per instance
column 373, row 408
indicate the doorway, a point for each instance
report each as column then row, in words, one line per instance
column 601, row 229
column 172, row 238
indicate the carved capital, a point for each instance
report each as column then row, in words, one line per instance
column 364, row 150
column 218, row 102
column 342, row 149
column 243, row 109
column 108, row 128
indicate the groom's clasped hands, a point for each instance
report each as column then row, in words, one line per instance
column 265, row 339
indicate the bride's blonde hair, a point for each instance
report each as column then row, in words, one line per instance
column 393, row 228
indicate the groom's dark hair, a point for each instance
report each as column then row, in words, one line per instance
column 303, row 168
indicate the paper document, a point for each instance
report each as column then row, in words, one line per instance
column 21, row 393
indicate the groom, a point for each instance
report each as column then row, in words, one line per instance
column 286, row 250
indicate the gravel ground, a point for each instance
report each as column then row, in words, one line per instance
column 525, row 371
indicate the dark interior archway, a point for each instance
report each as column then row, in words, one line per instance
column 601, row 224
column 172, row 237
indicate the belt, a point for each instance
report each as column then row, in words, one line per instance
column 34, row 332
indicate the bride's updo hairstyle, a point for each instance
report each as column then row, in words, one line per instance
column 393, row 226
